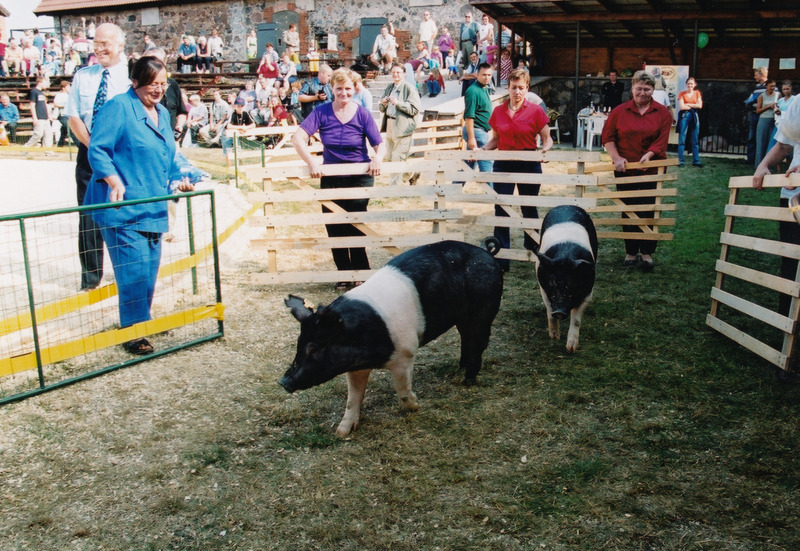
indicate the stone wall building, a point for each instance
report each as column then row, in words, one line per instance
column 166, row 22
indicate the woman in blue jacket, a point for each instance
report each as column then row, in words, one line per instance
column 132, row 153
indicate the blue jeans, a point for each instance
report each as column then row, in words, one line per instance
column 763, row 133
column 482, row 137
column 689, row 122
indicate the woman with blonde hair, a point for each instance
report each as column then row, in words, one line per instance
column 345, row 128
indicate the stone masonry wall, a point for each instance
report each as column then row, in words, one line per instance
column 235, row 18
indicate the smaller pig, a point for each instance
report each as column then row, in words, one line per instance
column 412, row 300
column 566, row 268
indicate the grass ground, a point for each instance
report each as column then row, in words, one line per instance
column 658, row 434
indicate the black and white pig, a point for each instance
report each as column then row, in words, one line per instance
column 567, row 256
column 413, row 299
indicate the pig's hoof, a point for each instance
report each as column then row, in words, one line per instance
column 572, row 346
column 344, row 429
column 470, row 381
column 555, row 334
column 409, row 403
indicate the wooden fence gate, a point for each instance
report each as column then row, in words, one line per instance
column 743, row 301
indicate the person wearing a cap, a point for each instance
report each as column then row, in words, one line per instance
column 787, row 140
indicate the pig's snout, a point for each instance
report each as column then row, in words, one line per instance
column 287, row 384
column 559, row 315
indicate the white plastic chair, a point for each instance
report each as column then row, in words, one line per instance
column 595, row 130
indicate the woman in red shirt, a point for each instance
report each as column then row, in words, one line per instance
column 636, row 132
column 516, row 124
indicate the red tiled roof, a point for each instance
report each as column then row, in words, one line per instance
column 54, row 7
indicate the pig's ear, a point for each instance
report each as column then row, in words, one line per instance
column 582, row 264
column 298, row 307
column 543, row 259
column 329, row 319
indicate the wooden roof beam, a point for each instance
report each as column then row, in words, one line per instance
column 640, row 16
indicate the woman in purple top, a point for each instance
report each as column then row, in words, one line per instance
column 344, row 128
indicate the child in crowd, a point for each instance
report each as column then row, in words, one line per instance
column 452, row 67
column 505, row 67
column 435, row 83
column 294, row 102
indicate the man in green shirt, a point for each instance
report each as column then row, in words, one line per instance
column 477, row 110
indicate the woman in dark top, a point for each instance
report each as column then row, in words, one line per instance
column 203, row 55
column 344, row 128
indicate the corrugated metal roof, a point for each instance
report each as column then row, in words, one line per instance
column 55, row 7
column 646, row 21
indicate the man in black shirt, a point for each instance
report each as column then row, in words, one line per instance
column 612, row 91
column 40, row 113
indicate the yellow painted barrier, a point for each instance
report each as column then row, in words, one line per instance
column 106, row 339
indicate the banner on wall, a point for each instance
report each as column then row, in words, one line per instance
column 670, row 81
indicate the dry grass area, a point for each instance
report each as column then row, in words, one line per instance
column 658, row 434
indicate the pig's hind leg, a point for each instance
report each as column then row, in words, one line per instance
column 356, row 388
column 575, row 320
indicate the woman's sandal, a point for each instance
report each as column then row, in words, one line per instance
column 139, row 347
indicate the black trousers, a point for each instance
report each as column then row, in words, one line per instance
column 502, row 233
column 352, row 258
column 789, row 232
column 637, row 246
column 90, row 241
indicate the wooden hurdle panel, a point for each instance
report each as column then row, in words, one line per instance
column 438, row 135
column 613, row 207
column 279, row 227
column 557, row 189
column 238, row 156
column 733, row 239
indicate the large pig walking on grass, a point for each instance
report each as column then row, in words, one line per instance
column 566, row 268
column 412, row 300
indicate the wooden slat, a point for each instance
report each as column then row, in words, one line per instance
column 663, row 192
column 773, row 180
column 435, row 147
column 652, row 236
column 643, row 178
column 770, row 281
column 439, row 123
column 751, row 343
column 609, row 167
column 494, row 155
column 761, row 245
column 362, row 217
column 503, row 222
column 753, row 310
column 600, row 221
column 377, row 192
column 778, row 214
column 323, row 243
column 520, row 178
column 522, row 200
column 635, row 208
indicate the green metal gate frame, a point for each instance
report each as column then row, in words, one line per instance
column 43, row 386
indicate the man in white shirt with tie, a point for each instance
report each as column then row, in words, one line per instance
column 91, row 87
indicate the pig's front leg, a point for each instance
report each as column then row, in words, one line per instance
column 401, row 366
column 553, row 326
column 356, row 388
column 575, row 325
